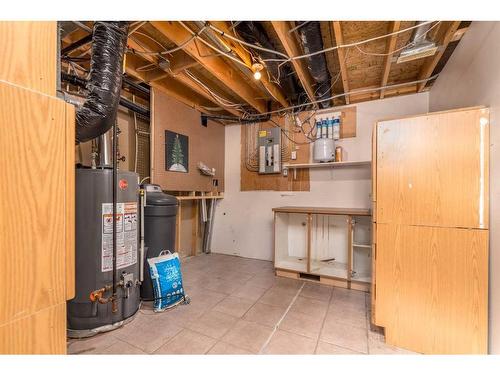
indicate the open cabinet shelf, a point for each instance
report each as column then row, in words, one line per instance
column 321, row 242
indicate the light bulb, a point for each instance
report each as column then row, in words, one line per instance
column 257, row 75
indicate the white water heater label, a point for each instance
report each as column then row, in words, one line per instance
column 126, row 235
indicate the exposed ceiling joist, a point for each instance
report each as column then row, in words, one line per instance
column 403, row 90
column 171, row 86
column 219, row 68
column 391, row 44
column 432, row 61
column 339, row 38
column 160, row 74
column 245, row 56
column 292, row 48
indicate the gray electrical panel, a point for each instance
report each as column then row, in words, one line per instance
column 269, row 149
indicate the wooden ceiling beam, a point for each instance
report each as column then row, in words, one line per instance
column 391, row 45
column 216, row 65
column 363, row 97
column 245, row 56
column 339, row 40
column 172, row 87
column 161, row 74
column 431, row 61
column 292, row 48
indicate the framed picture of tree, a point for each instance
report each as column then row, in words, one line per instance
column 176, row 152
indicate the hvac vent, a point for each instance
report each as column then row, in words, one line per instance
column 420, row 46
column 417, row 53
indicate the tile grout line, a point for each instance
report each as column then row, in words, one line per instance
column 324, row 319
column 281, row 319
column 238, row 319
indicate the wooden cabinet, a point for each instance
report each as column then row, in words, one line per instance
column 430, row 289
column 37, row 138
column 328, row 245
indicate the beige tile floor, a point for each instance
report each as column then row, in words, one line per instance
column 238, row 306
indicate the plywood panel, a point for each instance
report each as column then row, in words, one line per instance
column 433, row 169
column 206, row 144
column 432, row 288
column 29, row 50
column 251, row 180
column 33, row 190
column 70, row 201
column 40, row 333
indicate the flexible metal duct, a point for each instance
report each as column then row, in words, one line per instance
column 310, row 35
column 98, row 113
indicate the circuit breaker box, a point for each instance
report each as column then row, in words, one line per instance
column 269, row 145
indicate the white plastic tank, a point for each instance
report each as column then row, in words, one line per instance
column 324, row 150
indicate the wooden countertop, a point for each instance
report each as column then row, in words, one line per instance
column 324, row 210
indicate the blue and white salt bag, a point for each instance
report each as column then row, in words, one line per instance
column 166, row 276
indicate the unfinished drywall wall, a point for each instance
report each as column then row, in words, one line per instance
column 471, row 78
column 244, row 220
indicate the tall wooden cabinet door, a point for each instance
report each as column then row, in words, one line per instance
column 433, row 169
column 432, row 288
column 33, row 239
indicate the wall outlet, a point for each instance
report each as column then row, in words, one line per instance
column 293, row 155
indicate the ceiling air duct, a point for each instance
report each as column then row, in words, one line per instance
column 98, row 113
column 419, row 46
column 310, row 35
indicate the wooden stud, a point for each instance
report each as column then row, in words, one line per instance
column 309, row 241
column 292, row 48
column 391, row 44
column 432, row 61
column 178, row 228
column 349, row 250
column 244, row 55
column 342, row 63
column 195, row 228
column 221, row 70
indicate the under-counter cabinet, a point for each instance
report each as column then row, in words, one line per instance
column 328, row 245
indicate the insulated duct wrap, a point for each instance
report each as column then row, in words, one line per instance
column 98, row 113
column 253, row 32
column 310, row 34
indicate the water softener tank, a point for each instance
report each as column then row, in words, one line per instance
column 160, row 213
column 94, row 249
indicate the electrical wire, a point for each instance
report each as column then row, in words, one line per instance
column 396, row 50
column 255, row 46
column 353, row 44
column 196, row 35
column 224, row 102
column 353, row 92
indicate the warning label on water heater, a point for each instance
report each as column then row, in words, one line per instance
column 126, row 235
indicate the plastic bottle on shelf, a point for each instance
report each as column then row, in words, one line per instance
column 330, row 127
column 336, row 126
column 324, row 127
column 318, row 127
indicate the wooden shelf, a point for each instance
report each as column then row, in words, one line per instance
column 198, row 197
column 333, row 164
column 323, row 210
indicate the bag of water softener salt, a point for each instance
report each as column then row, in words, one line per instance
column 166, row 276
